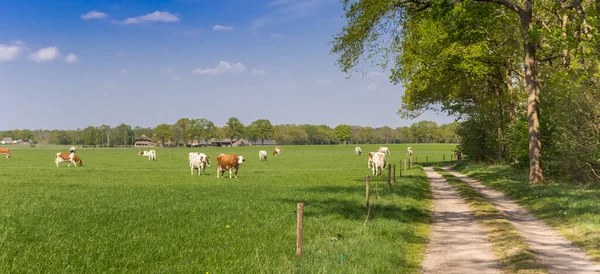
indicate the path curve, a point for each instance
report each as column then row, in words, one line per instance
column 457, row 244
column 553, row 250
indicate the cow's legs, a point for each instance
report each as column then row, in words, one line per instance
column 230, row 173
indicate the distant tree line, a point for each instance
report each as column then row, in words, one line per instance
column 185, row 130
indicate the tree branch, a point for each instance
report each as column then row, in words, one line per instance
column 505, row 3
column 551, row 57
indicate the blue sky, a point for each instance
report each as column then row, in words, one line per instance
column 71, row 64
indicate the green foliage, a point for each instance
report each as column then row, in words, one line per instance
column 234, row 128
column 342, row 133
column 260, row 129
column 163, row 132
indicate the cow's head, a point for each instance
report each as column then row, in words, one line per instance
column 79, row 162
column 207, row 161
column 241, row 160
column 141, row 153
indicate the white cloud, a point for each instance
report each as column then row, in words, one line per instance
column 94, row 15
column 71, row 58
column 277, row 3
column 223, row 67
column 284, row 11
column 258, row 71
column 222, row 28
column 282, row 85
column 322, row 81
column 11, row 51
column 166, row 71
column 45, row 54
column 157, row 16
column 371, row 87
column 375, row 74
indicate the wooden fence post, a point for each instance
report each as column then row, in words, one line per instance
column 394, row 174
column 300, row 211
column 416, row 159
column 444, row 158
column 404, row 166
column 367, row 180
column 426, row 159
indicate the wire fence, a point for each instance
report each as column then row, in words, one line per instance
column 246, row 234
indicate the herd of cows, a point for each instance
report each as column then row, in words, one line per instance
column 199, row 161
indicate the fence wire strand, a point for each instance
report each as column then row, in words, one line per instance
column 243, row 235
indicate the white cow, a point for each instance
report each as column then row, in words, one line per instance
column 198, row 161
column 151, row 154
column 262, row 155
column 384, row 150
column 378, row 163
column 358, row 151
column 72, row 150
column 409, row 151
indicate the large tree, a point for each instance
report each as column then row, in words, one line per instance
column 462, row 45
column 163, row 132
column 261, row 129
column 234, row 128
column 342, row 133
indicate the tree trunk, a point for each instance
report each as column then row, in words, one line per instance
column 533, row 99
column 512, row 114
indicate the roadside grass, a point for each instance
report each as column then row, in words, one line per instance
column 573, row 209
column 509, row 247
column 123, row 213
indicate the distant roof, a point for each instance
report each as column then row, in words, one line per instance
column 7, row 139
column 143, row 138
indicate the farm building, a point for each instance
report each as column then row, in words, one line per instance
column 241, row 143
column 8, row 141
column 143, row 141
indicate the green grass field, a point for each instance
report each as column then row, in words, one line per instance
column 123, row 213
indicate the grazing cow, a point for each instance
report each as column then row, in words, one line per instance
column 384, row 150
column 358, row 151
column 71, row 158
column 262, row 155
column 277, row 150
column 409, row 151
column 228, row 162
column 199, row 161
column 370, row 160
column 72, row 149
column 151, row 154
column 379, row 163
column 5, row 152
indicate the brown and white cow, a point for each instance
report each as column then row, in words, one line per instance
column 370, row 160
column 379, row 163
column 409, row 151
column 228, row 162
column 151, row 154
column 384, row 150
column 198, row 161
column 4, row 151
column 71, row 158
column 277, row 150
